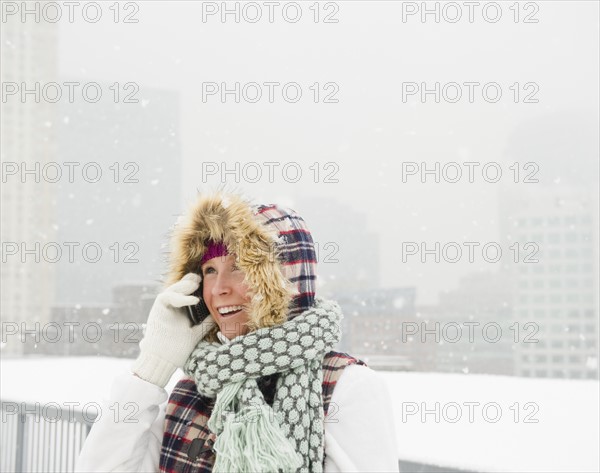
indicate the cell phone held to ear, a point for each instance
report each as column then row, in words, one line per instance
column 197, row 313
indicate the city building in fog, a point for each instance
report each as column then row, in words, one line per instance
column 28, row 138
column 469, row 329
column 557, row 291
column 128, row 212
column 372, row 325
column 348, row 253
column 555, row 281
column 134, row 300
column 112, row 329
column 136, row 147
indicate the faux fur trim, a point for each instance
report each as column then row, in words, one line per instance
column 227, row 217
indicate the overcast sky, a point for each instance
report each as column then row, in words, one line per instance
column 369, row 53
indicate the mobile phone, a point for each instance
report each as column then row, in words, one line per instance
column 197, row 313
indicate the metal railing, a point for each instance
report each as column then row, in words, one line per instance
column 36, row 438
column 48, row 439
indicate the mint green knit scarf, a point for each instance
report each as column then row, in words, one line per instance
column 251, row 435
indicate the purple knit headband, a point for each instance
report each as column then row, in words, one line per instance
column 214, row 250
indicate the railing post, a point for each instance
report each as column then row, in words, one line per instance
column 20, row 451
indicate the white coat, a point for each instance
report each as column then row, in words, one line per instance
column 359, row 429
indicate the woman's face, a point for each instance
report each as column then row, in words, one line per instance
column 225, row 294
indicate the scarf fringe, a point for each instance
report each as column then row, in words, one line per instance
column 252, row 441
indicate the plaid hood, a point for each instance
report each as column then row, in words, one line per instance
column 274, row 247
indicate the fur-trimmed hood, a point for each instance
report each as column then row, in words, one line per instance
column 274, row 249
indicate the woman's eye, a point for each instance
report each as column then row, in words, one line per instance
column 208, row 270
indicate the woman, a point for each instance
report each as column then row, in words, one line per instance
column 264, row 390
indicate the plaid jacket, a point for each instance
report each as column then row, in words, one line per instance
column 187, row 441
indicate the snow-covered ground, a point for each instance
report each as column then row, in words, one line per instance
column 480, row 423
column 504, row 435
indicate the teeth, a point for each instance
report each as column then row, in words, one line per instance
column 231, row 308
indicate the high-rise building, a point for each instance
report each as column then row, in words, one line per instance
column 125, row 215
column 556, row 282
column 28, row 141
column 550, row 222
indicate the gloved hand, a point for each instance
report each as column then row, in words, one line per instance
column 169, row 340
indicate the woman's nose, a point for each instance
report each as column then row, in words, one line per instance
column 222, row 284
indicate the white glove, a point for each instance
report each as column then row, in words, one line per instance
column 169, row 340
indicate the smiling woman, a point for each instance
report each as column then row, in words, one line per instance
column 264, row 389
column 225, row 292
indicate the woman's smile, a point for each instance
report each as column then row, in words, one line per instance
column 226, row 295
